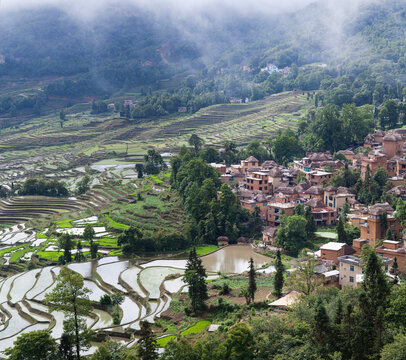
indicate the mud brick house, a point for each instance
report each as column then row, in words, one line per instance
column 276, row 210
column 333, row 250
column 269, row 235
column 249, row 162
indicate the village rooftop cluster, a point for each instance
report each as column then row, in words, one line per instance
column 276, row 190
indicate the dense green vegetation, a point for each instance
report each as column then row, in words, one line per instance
column 209, row 216
column 42, row 187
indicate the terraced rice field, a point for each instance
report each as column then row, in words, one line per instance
column 148, row 290
column 234, row 122
column 21, row 209
column 84, row 134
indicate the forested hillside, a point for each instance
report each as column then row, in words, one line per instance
column 129, row 48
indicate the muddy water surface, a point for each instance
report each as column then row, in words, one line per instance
column 233, row 259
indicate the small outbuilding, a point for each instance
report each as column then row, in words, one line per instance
column 223, row 241
column 287, row 301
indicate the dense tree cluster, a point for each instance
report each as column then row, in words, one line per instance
column 296, row 230
column 33, row 186
column 212, row 208
column 133, row 241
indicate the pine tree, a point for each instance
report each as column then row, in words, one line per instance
column 389, row 235
column 345, row 211
column 146, row 347
column 65, row 349
column 321, row 331
column 252, row 285
column 339, row 312
column 78, row 256
column 341, row 234
column 310, row 225
column 195, row 277
column 278, row 278
column 395, row 267
column 373, row 299
column 94, row 247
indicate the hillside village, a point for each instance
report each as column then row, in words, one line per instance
column 277, row 190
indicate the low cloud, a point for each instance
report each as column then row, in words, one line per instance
column 174, row 7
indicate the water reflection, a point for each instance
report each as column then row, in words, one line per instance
column 233, row 259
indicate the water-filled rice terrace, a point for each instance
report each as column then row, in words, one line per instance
column 147, row 292
column 148, row 289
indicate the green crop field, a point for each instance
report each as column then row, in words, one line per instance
column 203, row 250
column 115, row 224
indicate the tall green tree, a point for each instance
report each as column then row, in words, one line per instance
column 321, row 331
column 252, row 285
column 146, row 346
column 196, row 142
column 286, row 148
column 195, row 277
column 344, row 212
column 66, row 244
column 310, row 224
column 65, row 349
column 70, row 296
column 139, row 168
column 388, row 115
column 328, row 126
column 357, row 123
column 341, row 234
column 373, row 301
column 278, row 277
column 83, row 185
column 153, row 162
column 88, row 233
column 292, row 234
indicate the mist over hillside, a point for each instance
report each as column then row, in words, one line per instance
column 63, row 38
column 101, row 48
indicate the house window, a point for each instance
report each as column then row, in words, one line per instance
column 351, row 268
column 260, row 188
column 276, row 211
column 351, row 279
column 265, row 204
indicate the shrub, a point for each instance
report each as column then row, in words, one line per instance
column 225, row 289
column 105, row 300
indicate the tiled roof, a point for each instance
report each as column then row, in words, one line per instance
column 251, row 159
